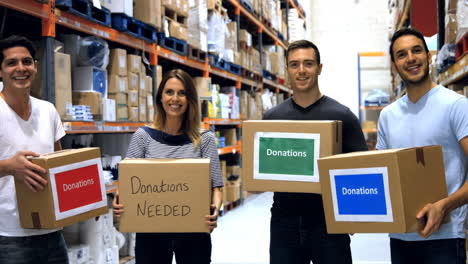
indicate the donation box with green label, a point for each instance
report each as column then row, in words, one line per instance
column 281, row 156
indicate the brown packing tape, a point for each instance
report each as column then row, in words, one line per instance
column 337, row 131
column 36, row 220
column 420, row 156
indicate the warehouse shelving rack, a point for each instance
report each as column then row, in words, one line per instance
column 50, row 17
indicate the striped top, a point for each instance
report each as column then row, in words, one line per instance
column 151, row 143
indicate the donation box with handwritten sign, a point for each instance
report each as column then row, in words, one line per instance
column 164, row 195
column 281, row 156
column 75, row 190
column 380, row 191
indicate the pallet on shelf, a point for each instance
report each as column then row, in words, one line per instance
column 86, row 9
column 173, row 44
column 134, row 27
column 233, row 68
column 196, row 54
column 246, row 73
column 268, row 75
column 216, row 61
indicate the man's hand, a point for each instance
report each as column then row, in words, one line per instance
column 212, row 220
column 24, row 170
column 430, row 218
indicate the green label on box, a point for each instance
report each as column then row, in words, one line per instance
column 287, row 156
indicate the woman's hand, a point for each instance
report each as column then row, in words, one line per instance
column 118, row 208
column 212, row 220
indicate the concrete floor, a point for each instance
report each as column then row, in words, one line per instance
column 243, row 235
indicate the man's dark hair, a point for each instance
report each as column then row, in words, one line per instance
column 16, row 41
column 404, row 32
column 303, row 44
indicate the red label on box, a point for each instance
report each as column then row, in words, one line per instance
column 78, row 187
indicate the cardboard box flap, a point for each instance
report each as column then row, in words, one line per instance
column 419, row 153
column 166, row 161
column 60, row 158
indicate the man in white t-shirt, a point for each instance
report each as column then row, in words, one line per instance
column 28, row 127
column 429, row 114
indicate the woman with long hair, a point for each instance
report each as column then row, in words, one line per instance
column 176, row 133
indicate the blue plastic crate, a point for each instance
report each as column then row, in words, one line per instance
column 87, row 10
column 173, row 44
column 134, row 27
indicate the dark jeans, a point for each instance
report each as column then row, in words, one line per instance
column 152, row 248
column 428, row 252
column 300, row 239
column 42, row 249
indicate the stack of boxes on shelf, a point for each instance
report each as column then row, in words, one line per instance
column 197, row 23
column 116, row 91
column 175, row 15
column 251, row 106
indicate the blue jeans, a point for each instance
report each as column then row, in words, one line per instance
column 42, row 249
column 301, row 239
column 429, row 251
column 156, row 248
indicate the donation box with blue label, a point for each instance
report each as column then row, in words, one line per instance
column 380, row 191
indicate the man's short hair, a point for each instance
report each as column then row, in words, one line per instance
column 404, row 32
column 303, row 44
column 16, row 41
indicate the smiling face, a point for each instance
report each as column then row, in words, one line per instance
column 173, row 99
column 411, row 59
column 17, row 69
column 303, row 70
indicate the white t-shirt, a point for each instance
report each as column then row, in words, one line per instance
column 37, row 134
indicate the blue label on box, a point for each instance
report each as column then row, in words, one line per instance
column 361, row 194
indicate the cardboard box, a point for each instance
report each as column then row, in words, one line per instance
column 133, row 63
column 149, row 85
column 171, row 200
column 117, row 84
column 142, row 86
column 149, row 11
column 150, row 113
column 149, row 100
column 118, row 62
column 203, row 86
column 142, row 109
column 120, row 98
column 63, row 84
column 93, row 99
column 281, row 156
column 75, row 191
column 177, row 30
column 133, row 98
column 380, row 191
column 230, row 136
column 133, row 83
column 133, row 114
column 121, row 112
